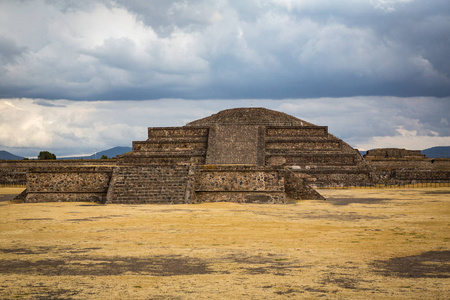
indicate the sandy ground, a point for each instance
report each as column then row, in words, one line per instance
column 360, row 244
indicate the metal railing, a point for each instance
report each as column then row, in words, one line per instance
column 414, row 184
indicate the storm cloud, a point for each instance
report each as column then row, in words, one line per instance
column 271, row 49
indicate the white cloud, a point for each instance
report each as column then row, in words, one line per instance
column 408, row 139
column 68, row 125
column 388, row 5
column 407, row 142
column 22, row 127
column 406, row 133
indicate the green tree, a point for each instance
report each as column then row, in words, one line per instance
column 104, row 156
column 46, row 155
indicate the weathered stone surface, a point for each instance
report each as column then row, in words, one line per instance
column 241, row 197
column 155, row 184
column 176, row 132
column 297, row 131
column 236, row 144
column 298, row 187
column 397, row 166
column 69, row 183
column 231, row 178
column 394, row 153
column 14, row 171
column 253, row 115
column 239, row 183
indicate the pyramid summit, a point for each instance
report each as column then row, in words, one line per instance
column 250, row 115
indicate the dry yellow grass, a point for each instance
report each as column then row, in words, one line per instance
column 389, row 243
column 8, row 193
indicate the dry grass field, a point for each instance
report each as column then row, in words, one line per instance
column 360, row 244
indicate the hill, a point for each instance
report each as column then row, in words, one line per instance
column 111, row 153
column 437, row 152
column 9, row 156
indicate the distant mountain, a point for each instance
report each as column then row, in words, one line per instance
column 111, row 153
column 9, row 156
column 437, row 152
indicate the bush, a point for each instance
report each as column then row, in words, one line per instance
column 46, row 155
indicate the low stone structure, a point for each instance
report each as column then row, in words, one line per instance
column 399, row 166
column 251, row 155
column 80, row 183
column 15, row 171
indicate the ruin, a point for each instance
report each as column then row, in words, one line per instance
column 241, row 155
column 246, row 155
column 396, row 166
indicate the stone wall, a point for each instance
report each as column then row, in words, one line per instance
column 400, row 166
column 297, row 186
column 235, row 144
column 239, row 184
column 174, row 132
column 290, row 131
column 394, row 153
column 68, row 183
column 238, row 178
column 162, row 159
column 421, row 175
column 180, row 145
column 14, row 171
column 340, row 177
column 282, row 146
column 424, row 164
column 311, row 159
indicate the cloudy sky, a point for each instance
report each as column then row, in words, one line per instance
column 79, row 75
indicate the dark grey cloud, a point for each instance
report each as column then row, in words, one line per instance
column 9, row 50
column 47, row 103
column 277, row 49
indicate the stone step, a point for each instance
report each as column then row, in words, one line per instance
column 149, row 184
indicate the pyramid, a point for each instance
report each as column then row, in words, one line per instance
column 242, row 155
